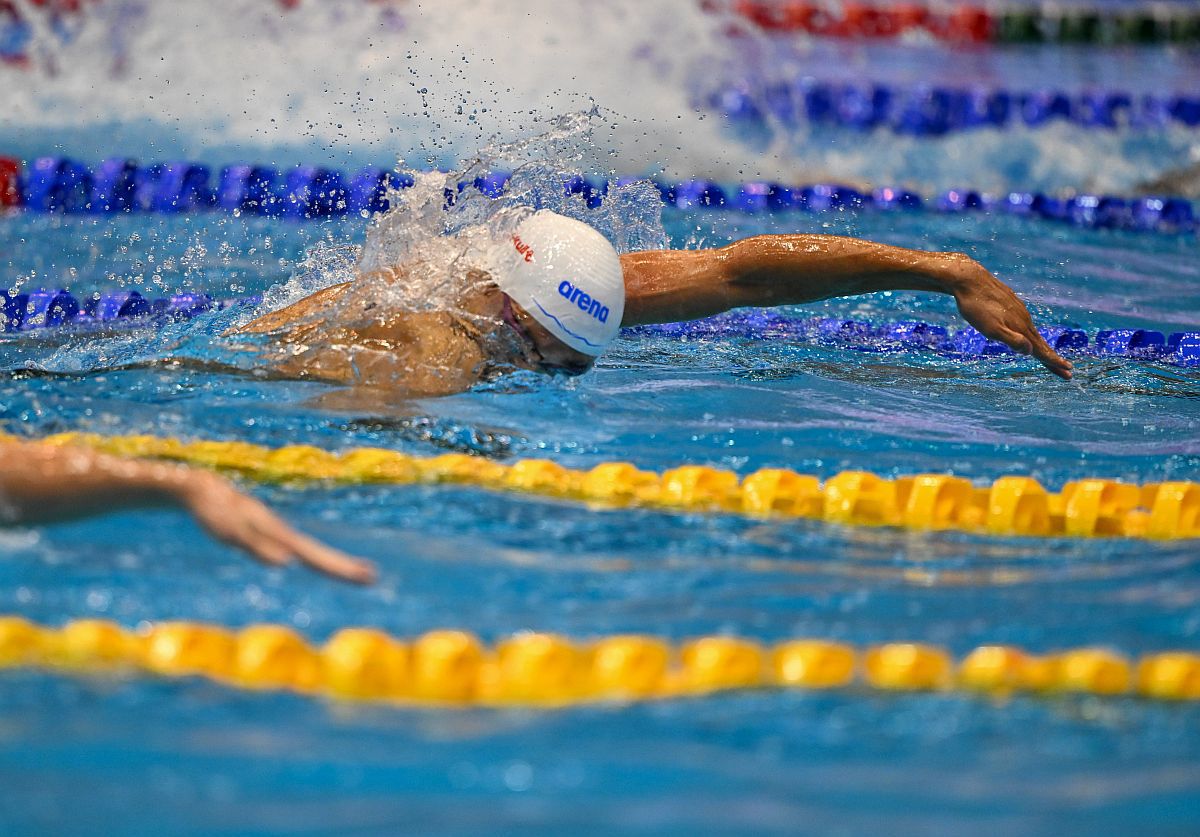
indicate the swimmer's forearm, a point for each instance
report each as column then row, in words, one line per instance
column 663, row 287
column 767, row 270
column 791, row 270
column 794, row 269
column 43, row 483
column 312, row 305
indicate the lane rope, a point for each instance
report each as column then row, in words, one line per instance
column 1010, row 506
column 44, row 309
column 962, row 24
column 118, row 185
column 1180, row 348
column 453, row 668
column 757, row 105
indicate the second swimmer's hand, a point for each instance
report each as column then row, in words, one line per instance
column 242, row 521
column 988, row 304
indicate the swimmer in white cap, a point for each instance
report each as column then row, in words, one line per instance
column 560, row 293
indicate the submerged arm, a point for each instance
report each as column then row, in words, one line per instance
column 768, row 270
column 42, row 483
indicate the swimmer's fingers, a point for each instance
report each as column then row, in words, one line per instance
column 991, row 306
column 272, row 540
column 1015, row 340
column 1029, row 341
column 1049, row 358
column 325, row 559
column 1024, row 337
column 244, row 522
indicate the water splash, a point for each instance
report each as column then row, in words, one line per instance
column 446, row 228
column 435, row 249
column 443, row 230
column 432, row 252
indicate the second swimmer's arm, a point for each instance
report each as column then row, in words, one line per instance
column 43, row 483
column 767, row 270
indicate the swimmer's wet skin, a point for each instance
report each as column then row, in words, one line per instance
column 562, row 291
column 41, row 483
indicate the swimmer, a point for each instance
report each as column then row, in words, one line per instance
column 560, row 292
column 41, row 483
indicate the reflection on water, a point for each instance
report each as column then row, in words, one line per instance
column 497, row 563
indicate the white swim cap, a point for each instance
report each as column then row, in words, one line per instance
column 567, row 276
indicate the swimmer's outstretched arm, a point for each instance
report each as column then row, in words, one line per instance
column 41, row 483
column 664, row 286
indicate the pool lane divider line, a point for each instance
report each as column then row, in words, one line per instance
column 41, row 309
column 120, row 185
column 1010, row 506
column 756, row 108
column 451, row 668
column 1179, row 348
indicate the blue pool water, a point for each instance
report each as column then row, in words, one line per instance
column 223, row 81
column 204, row 757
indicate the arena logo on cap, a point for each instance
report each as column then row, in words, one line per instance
column 582, row 301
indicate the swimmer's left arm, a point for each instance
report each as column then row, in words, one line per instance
column 675, row 285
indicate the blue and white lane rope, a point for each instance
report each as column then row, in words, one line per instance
column 61, row 185
column 1180, row 348
column 42, row 309
column 934, row 111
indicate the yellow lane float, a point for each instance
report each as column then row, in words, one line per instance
column 453, row 668
column 1010, row 506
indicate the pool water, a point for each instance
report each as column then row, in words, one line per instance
column 331, row 84
column 203, row 757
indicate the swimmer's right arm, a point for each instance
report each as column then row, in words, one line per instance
column 42, row 483
column 315, row 303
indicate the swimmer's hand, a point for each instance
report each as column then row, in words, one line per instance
column 766, row 270
column 42, row 483
column 988, row 304
column 242, row 521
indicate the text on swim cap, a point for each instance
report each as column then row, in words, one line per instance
column 522, row 248
column 582, row 301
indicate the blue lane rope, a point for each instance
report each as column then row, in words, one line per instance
column 42, row 309
column 1179, row 348
column 933, row 111
column 61, row 185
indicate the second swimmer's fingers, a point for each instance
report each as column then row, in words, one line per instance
column 265, row 548
column 275, row 538
column 330, row 561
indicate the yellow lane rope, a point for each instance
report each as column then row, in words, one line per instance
column 1009, row 506
column 452, row 668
